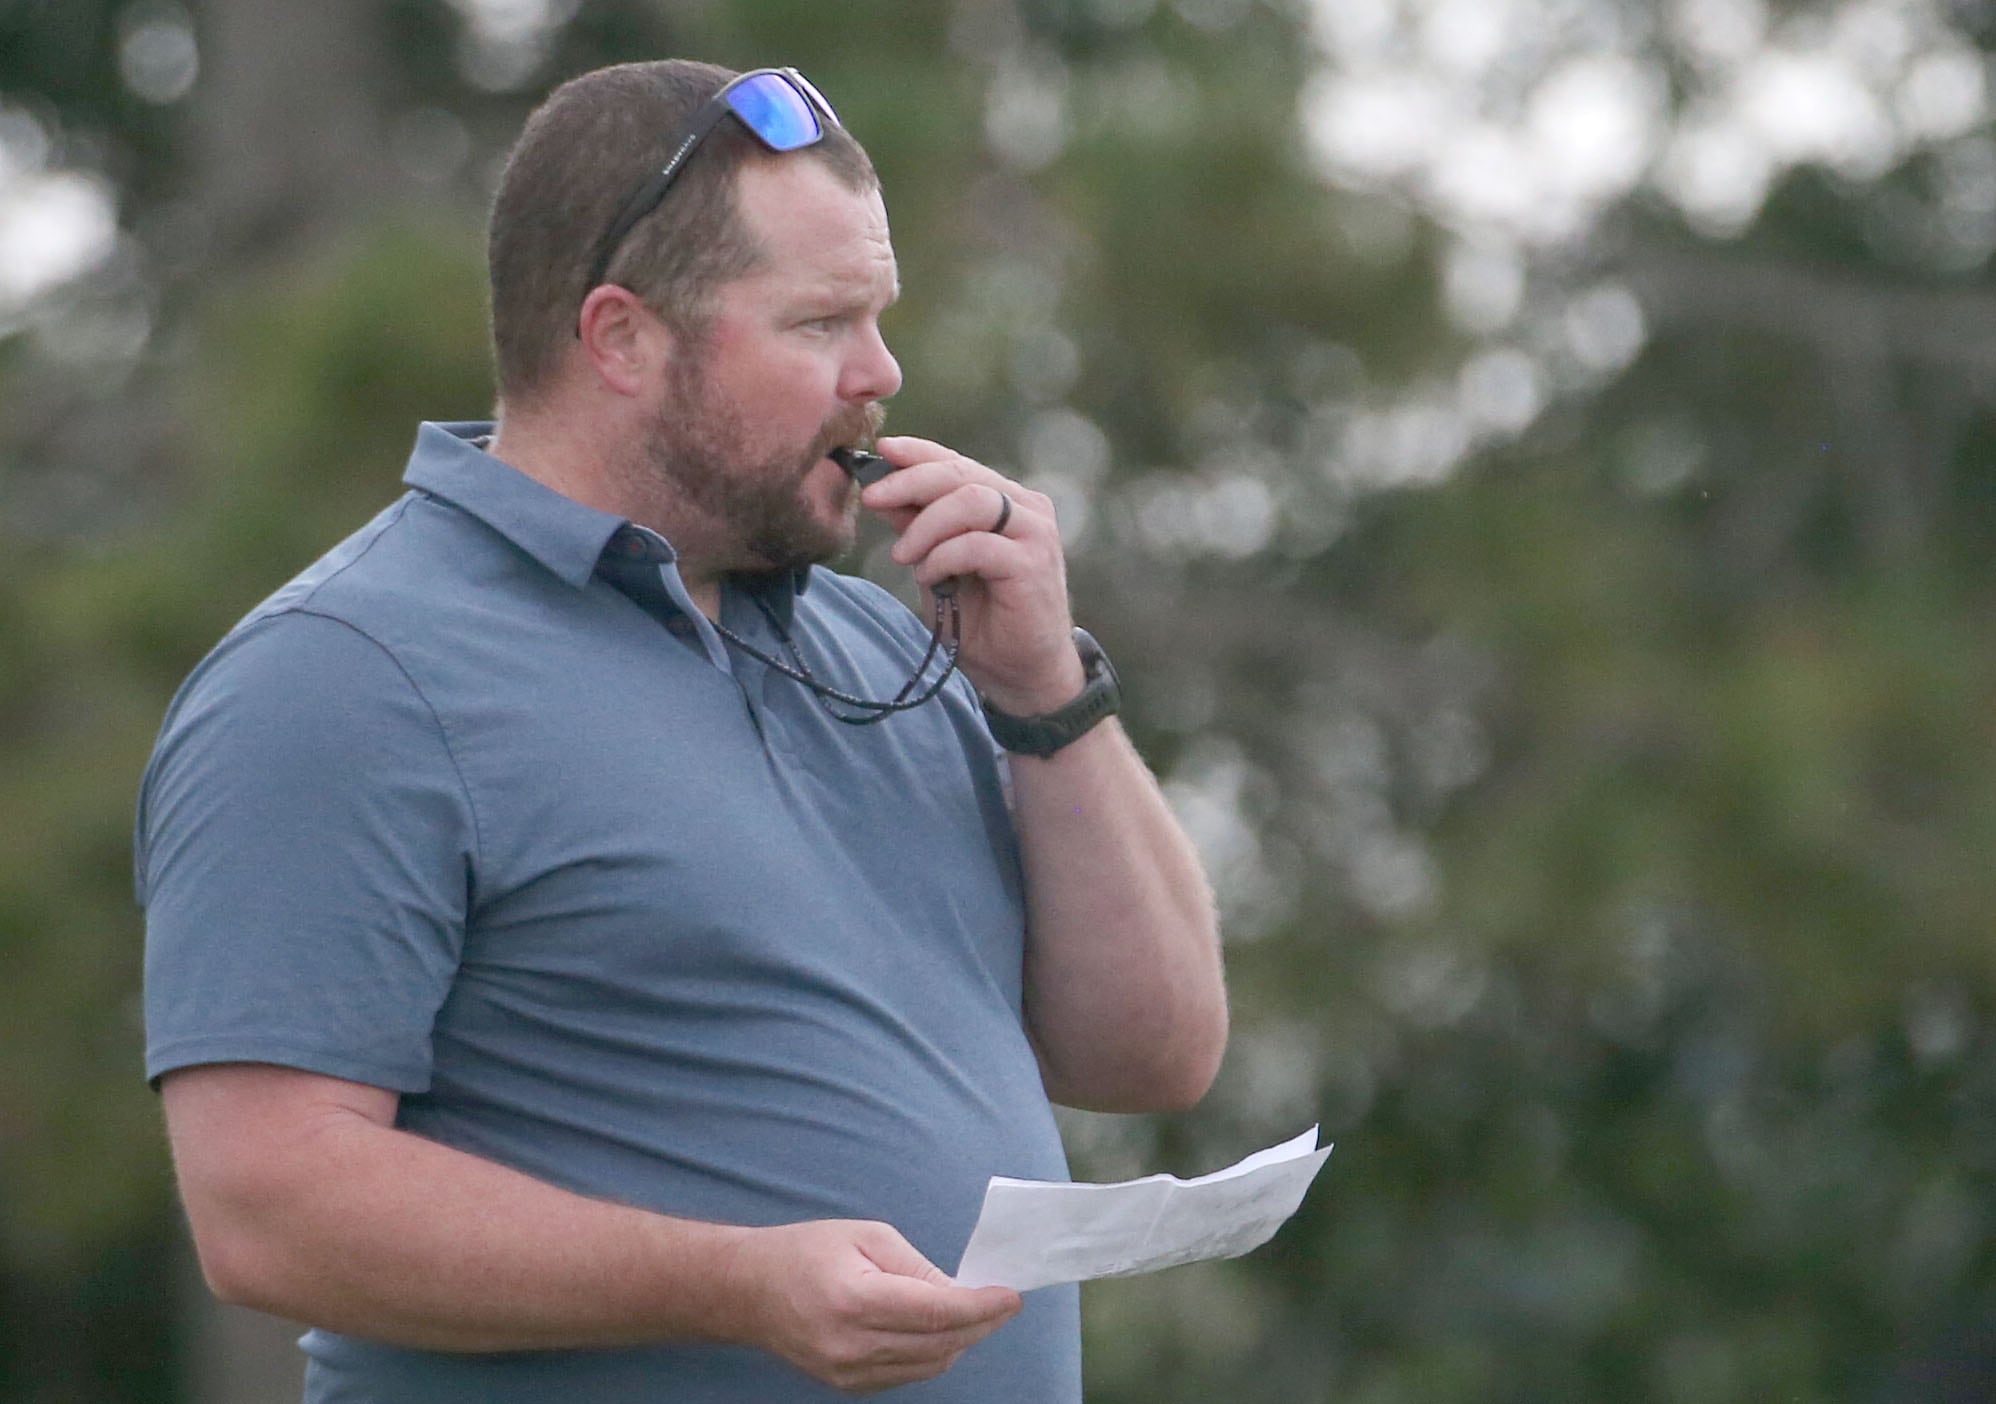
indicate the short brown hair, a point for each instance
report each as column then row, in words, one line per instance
column 582, row 152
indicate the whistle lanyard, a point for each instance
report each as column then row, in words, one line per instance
column 872, row 710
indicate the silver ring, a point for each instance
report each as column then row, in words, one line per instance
column 1004, row 514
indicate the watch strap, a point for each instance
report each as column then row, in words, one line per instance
column 1100, row 698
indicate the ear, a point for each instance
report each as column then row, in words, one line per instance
column 623, row 341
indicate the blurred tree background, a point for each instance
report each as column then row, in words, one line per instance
column 1531, row 459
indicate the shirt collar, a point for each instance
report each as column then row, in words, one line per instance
column 449, row 461
column 559, row 532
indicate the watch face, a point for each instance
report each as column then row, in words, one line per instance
column 1094, row 658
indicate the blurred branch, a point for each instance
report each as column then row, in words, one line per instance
column 286, row 142
column 288, row 129
column 1839, row 317
column 1869, row 348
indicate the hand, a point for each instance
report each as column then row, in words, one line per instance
column 853, row 1304
column 1018, row 644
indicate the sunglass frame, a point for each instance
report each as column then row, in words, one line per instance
column 651, row 194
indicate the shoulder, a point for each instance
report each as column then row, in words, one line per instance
column 289, row 662
column 401, row 561
column 291, row 702
column 350, row 628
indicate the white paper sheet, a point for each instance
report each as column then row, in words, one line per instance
column 1032, row 1233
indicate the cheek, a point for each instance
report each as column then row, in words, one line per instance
column 796, row 360
column 800, row 393
column 810, row 369
column 781, row 391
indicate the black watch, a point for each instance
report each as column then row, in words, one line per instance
column 1101, row 697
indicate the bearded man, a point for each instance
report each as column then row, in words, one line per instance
column 558, row 985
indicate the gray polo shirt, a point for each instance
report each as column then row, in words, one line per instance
column 606, row 900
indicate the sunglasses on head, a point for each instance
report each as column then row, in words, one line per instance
column 779, row 107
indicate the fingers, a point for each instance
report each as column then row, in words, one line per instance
column 935, row 501
column 929, row 471
column 1017, row 646
column 884, row 1247
column 912, row 1294
column 877, row 1354
column 853, row 1304
column 958, row 534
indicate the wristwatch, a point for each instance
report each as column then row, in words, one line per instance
column 1101, row 697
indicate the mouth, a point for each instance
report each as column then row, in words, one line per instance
column 852, row 437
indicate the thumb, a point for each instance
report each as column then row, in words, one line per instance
column 887, row 1250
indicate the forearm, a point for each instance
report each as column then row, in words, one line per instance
column 375, row 1232
column 1124, row 996
column 307, row 1202
column 1126, row 999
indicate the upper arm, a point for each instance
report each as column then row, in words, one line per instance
column 219, row 1115
column 305, row 848
column 244, row 1136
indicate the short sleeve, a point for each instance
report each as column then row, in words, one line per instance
column 304, row 852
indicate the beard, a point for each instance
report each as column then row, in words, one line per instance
column 746, row 505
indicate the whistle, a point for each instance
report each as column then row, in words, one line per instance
column 865, row 468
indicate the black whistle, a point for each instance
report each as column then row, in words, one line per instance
column 865, row 468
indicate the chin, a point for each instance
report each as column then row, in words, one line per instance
column 817, row 543
column 836, row 544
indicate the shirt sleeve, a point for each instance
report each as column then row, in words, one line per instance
column 304, row 852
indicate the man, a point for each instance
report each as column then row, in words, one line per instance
column 551, row 995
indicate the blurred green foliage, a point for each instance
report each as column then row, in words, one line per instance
column 1603, row 822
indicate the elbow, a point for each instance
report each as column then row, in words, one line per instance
column 1204, row 1026
column 1189, row 1076
column 234, row 1268
column 245, row 1257
column 1190, row 1041
column 1177, row 1096
column 1173, row 1076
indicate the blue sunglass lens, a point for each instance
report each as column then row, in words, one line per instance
column 776, row 112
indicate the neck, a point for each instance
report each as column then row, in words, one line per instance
column 580, row 465
column 568, row 463
column 706, row 592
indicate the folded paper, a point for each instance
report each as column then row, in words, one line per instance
column 1033, row 1233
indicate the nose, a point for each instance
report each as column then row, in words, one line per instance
column 871, row 373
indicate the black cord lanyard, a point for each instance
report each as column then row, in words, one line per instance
column 872, row 710
column 632, row 564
